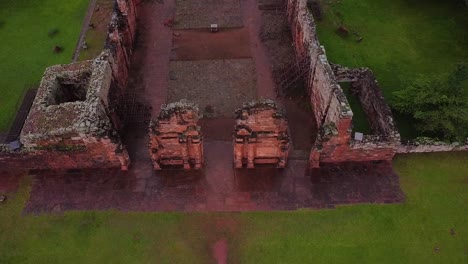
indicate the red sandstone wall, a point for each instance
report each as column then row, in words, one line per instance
column 330, row 106
column 96, row 155
column 344, row 154
column 67, row 153
column 260, row 136
column 321, row 83
column 121, row 39
column 339, row 149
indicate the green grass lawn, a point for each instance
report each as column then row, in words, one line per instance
column 96, row 37
column 26, row 48
column 360, row 122
column 436, row 189
column 435, row 185
column 402, row 40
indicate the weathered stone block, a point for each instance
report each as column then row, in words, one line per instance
column 260, row 135
column 175, row 137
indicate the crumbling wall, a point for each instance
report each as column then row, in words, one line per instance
column 73, row 129
column 331, row 108
column 320, row 81
column 260, row 135
column 67, row 154
column 425, row 144
column 122, row 31
column 365, row 86
column 339, row 149
column 70, row 132
column 175, row 137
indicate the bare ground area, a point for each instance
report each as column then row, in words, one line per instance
column 217, row 128
column 192, row 14
column 201, row 44
column 10, row 181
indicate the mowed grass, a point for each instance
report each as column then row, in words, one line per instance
column 436, row 189
column 26, row 48
column 402, row 40
column 96, row 237
column 435, row 185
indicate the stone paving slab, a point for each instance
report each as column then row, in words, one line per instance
column 191, row 14
column 218, row 187
column 218, row 86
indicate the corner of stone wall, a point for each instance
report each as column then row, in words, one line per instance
column 79, row 134
column 331, row 108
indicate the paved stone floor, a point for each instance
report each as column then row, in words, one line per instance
column 149, row 71
column 219, row 87
column 216, row 188
column 203, row 13
column 201, row 44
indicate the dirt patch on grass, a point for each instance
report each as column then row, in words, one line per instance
column 221, row 234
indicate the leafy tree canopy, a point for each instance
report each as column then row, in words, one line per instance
column 439, row 106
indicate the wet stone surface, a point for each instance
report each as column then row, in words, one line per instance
column 218, row 187
column 219, row 87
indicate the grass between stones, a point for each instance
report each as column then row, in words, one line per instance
column 401, row 40
column 435, row 185
column 29, row 32
column 96, row 37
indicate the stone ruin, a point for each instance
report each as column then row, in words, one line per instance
column 70, row 124
column 260, row 135
column 175, row 137
column 334, row 116
column 335, row 141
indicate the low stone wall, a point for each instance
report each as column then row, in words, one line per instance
column 425, row 144
column 103, row 153
column 365, row 86
column 326, row 96
column 431, row 148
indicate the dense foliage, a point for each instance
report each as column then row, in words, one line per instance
column 439, row 106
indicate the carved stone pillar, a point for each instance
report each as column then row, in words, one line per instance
column 260, row 135
column 175, row 137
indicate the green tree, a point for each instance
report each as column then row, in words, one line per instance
column 439, row 106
